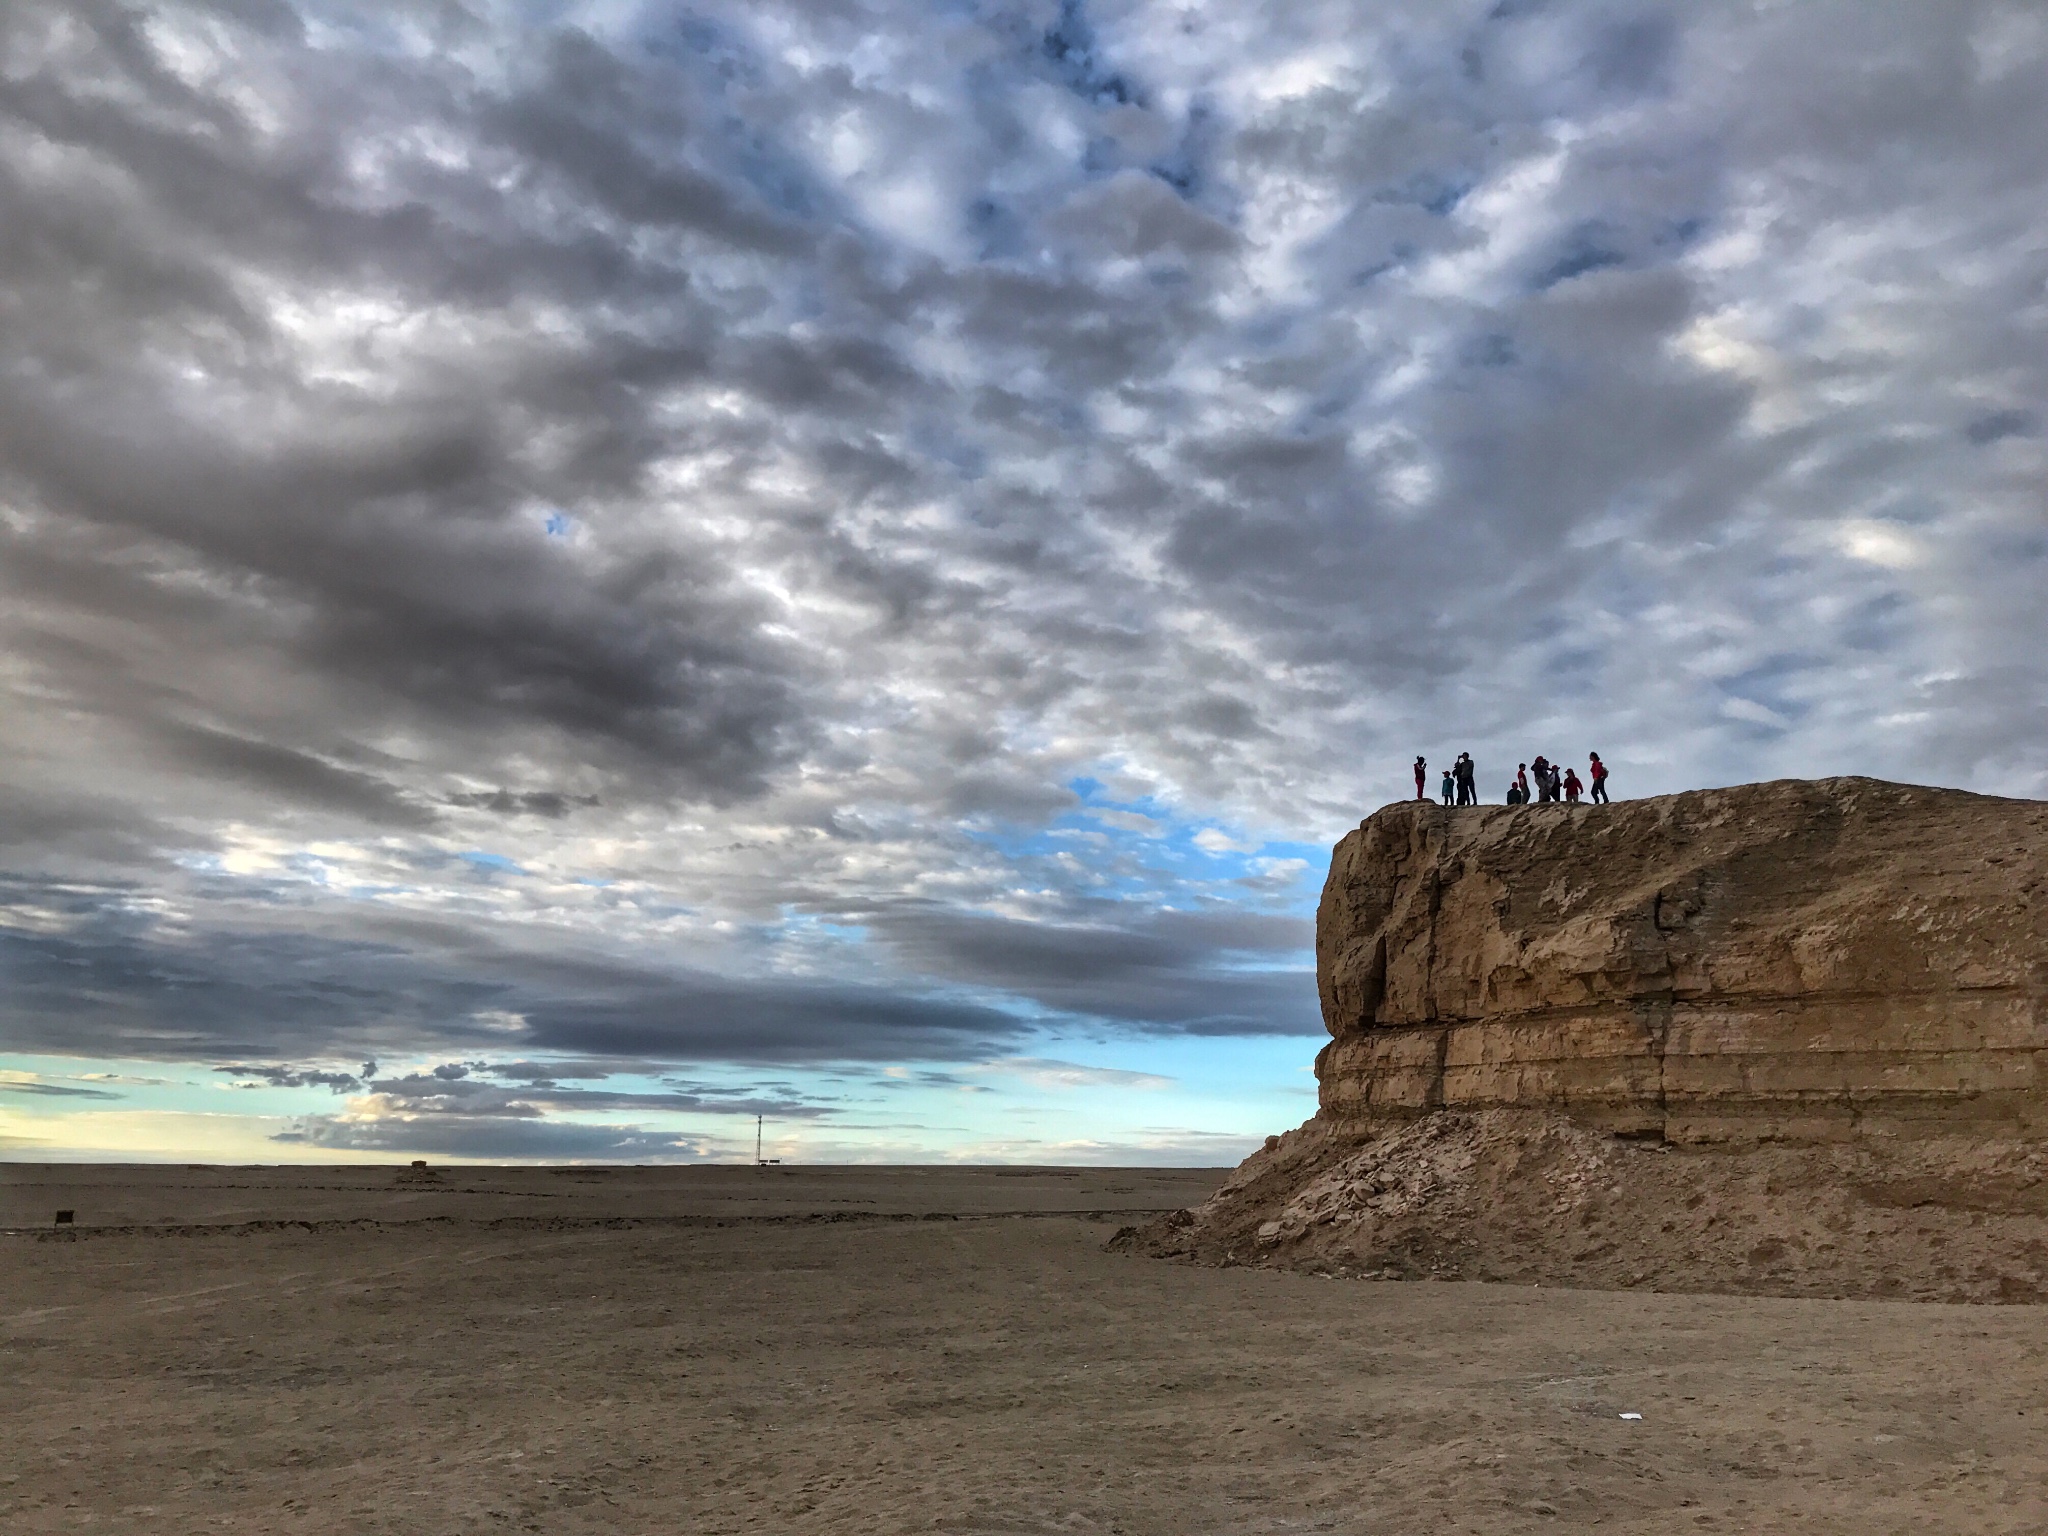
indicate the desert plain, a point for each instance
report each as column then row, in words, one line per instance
column 369, row 1349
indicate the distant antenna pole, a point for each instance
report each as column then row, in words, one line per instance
column 757, row 1141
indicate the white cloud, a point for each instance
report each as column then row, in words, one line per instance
column 1881, row 544
column 1043, row 1072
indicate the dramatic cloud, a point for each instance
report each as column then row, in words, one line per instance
column 813, row 534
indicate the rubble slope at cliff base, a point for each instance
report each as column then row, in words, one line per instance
column 1530, row 1196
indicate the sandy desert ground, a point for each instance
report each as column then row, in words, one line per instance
column 944, row 1350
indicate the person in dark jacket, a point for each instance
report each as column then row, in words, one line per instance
column 1541, row 768
column 1421, row 779
column 1468, row 776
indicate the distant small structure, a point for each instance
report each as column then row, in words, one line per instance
column 759, row 1160
column 65, row 1218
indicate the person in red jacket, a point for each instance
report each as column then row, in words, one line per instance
column 1421, row 779
column 1598, row 773
column 1572, row 786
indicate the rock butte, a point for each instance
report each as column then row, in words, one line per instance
column 1792, row 960
column 1784, row 1037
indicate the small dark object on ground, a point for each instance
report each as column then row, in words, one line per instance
column 419, row 1162
column 65, row 1218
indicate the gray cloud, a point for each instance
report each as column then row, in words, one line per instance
column 620, row 541
column 455, row 1092
column 493, row 1139
column 537, row 802
column 293, row 1077
column 113, row 982
column 1175, row 970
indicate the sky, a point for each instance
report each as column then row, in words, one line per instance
column 572, row 574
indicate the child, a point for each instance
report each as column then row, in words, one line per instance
column 1572, row 786
column 1449, row 789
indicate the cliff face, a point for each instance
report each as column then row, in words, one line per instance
column 1787, row 1038
column 1787, row 960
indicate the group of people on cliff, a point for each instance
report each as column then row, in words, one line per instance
column 1460, row 785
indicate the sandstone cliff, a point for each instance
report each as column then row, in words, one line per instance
column 1781, row 1036
column 1785, row 959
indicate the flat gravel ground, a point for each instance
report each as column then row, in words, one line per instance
column 653, row 1355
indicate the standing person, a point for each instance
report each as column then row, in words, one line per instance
column 1572, row 786
column 1421, row 779
column 1541, row 768
column 1448, row 787
column 1468, row 780
column 1522, row 783
column 1598, row 774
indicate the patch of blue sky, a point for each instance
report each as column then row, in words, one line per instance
column 794, row 920
column 1070, row 47
column 495, row 863
column 718, row 58
column 36, row 1083
column 1219, row 1065
column 1143, row 848
column 311, row 867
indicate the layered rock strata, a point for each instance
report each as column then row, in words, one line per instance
column 1785, row 1037
column 1787, row 960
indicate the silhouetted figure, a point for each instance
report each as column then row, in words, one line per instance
column 1522, row 783
column 1598, row 773
column 1421, row 779
column 1467, row 776
column 1514, row 793
column 1448, row 789
column 1572, row 786
column 1545, row 793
